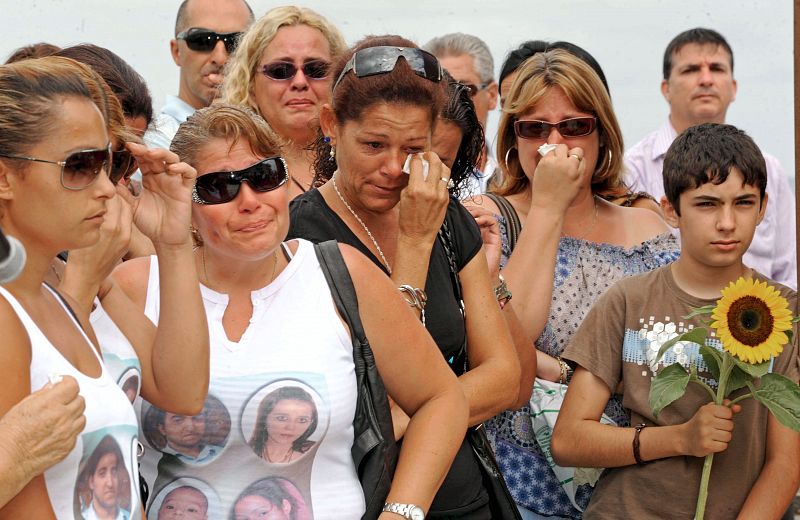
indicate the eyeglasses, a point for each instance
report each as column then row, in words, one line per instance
column 221, row 187
column 286, row 70
column 474, row 89
column 383, row 59
column 123, row 165
column 204, row 40
column 573, row 127
column 80, row 169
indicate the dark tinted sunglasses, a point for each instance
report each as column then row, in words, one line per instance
column 574, row 127
column 204, row 40
column 123, row 165
column 221, row 187
column 382, row 60
column 286, row 70
column 80, row 169
column 474, row 89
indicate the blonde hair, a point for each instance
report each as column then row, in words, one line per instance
column 237, row 89
column 585, row 90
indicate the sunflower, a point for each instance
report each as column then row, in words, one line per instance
column 751, row 319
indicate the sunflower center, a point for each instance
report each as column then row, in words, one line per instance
column 750, row 320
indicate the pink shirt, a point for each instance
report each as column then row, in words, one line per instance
column 772, row 252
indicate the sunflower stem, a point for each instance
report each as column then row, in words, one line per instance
column 740, row 398
column 702, row 496
column 700, row 382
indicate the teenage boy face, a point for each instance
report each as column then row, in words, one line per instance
column 717, row 221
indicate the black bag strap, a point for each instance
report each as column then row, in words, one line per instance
column 459, row 361
column 510, row 214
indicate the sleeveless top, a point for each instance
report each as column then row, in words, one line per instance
column 118, row 354
column 101, row 469
column 278, row 420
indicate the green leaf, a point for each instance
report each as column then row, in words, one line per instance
column 789, row 333
column 737, row 379
column 701, row 311
column 696, row 335
column 782, row 396
column 668, row 386
column 754, row 370
column 712, row 358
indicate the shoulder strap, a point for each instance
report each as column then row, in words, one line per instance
column 510, row 214
column 341, row 285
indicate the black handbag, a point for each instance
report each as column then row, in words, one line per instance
column 374, row 449
column 501, row 503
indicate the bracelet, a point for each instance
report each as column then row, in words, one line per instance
column 636, row 455
column 564, row 371
column 415, row 297
column 502, row 293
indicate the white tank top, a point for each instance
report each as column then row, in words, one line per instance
column 101, row 470
column 119, row 356
column 278, row 421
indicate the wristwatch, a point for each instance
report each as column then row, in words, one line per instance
column 409, row 511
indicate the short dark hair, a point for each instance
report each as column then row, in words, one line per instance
column 34, row 50
column 519, row 55
column 699, row 36
column 707, row 153
column 354, row 95
column 180, row 18
column 127, row 84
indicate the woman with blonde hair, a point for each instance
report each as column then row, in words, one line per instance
column 572, row 245
column 281, row 70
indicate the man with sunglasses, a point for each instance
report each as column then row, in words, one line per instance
column 467, row 58
column 699, row 86
column 206, row 34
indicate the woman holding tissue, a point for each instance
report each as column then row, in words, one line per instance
column 387, row 195
column 560, row 145
column 55, row 192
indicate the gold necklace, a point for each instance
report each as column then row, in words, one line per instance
column 369, row 234
column 592, row 225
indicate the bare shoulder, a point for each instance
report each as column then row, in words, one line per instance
column 481, row 201
column 640, row 224
column 15, row 357
column 132, row 277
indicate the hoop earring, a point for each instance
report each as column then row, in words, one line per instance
column 196, row 238
column 508, row 152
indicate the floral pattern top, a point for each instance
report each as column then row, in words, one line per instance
column 584, row 270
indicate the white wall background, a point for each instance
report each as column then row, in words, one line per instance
column 627, row 37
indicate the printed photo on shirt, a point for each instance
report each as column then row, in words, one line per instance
column 131, row 383
column 196, row 439
column 185, row 499
column 125, row 370
column 272, row 498
column 283, row 421
column 104, row 488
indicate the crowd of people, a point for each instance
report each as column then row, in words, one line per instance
column 309, row 287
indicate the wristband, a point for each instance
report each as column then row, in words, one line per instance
column 636, row 455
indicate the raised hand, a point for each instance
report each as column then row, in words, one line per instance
column 163, row 211
column 423, row 202
column 558, row 178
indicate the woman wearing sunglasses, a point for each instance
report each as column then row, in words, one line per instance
column 281, row 70
column 55, row 155
column 573, row 244
column 385, row 102
column 273, row 325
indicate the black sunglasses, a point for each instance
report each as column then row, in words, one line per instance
column 123, row 165
column 204, row 40
column 382, row 60
column 573, row 127
column 474, row 89
column 221, row 187
column 80, row 169
column 286, row 70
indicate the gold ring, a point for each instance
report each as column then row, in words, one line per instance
column 576, row 156
column 444, row 179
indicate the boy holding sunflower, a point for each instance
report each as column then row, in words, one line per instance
column 715, row 180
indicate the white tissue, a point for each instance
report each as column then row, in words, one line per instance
column 546, row 148
column 425, row 165
column 54, row 378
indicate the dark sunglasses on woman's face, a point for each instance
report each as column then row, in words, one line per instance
column 204, row 40
column 573, row 127
column 382, row 60
column 286, row 70
column 123, row 165
column 221, row 187
column 80, row 169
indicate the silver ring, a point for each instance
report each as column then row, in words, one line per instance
column 576, row 156
column 444, row 179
